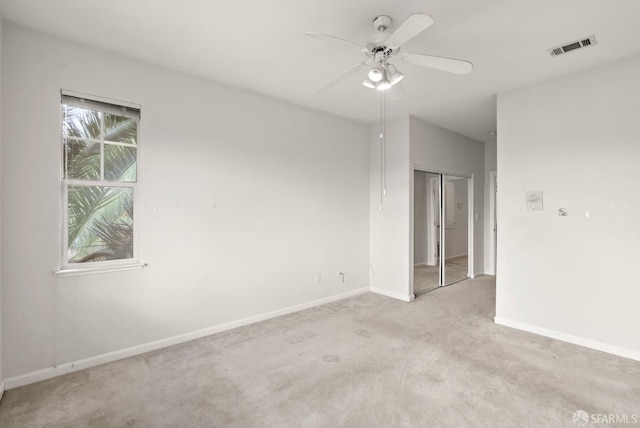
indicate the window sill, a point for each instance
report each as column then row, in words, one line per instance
column 94, row 270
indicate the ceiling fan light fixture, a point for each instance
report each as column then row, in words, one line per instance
column 375, row 74
column 383, row 85
column 369, row 83
column 394, row 75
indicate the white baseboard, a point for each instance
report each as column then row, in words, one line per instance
column 61, row 369
column 403, row 297
column 576, row 340
column 424, row 264
column 1, row 389
column 455, row 256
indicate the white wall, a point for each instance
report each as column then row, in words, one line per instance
column 242, row 200
column 1, row 289
column 573, row 277
column 390, row 243
column 411, row 142
column 490, row 164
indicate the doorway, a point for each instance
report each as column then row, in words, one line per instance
column 442, row 225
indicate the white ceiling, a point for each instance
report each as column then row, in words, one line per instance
column 261, row 45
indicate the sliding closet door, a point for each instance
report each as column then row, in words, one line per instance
column 426, row 247
column 455, row 229
column 441, row 230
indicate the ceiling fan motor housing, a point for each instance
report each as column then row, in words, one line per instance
column 376, row 42
column 382, row 22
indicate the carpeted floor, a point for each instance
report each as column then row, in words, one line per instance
column 367, row 361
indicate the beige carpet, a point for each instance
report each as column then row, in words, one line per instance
column 367, row 361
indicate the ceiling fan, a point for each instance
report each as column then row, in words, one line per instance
column 383, row 46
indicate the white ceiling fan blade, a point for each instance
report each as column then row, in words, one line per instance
column 337, row 40
column 450, row 65
column 411, row 27
column 396, row 92
column 340, row 77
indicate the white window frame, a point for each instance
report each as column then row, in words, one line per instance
column 103, row 105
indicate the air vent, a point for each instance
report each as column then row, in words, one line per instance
column 568, row 47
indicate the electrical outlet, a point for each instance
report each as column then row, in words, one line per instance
column 318, row 278
column 340, row 275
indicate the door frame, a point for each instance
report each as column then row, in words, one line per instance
column 470, row 215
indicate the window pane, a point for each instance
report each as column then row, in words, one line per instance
column 81, row 160
column 120, row 129
column 78, row 122
column 119, row 163
column 100, row 223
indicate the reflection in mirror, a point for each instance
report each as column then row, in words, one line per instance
column 456, row 231
column 426, row 242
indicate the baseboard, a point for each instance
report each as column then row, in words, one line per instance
column 576, row 340
column 1, row 389
column 61, row 369
column 455, row 256
column 477, row 275
column 403, row 297
column 424, row 264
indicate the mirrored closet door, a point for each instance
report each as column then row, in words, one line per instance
column 441, row 230
column 456, row 229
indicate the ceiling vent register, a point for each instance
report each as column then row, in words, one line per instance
column 582, row 43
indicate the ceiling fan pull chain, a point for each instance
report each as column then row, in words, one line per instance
column 382, row 180
column 384, row 142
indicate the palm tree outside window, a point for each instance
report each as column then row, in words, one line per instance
column 99, row 155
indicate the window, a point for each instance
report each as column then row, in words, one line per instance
column 100, row 161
